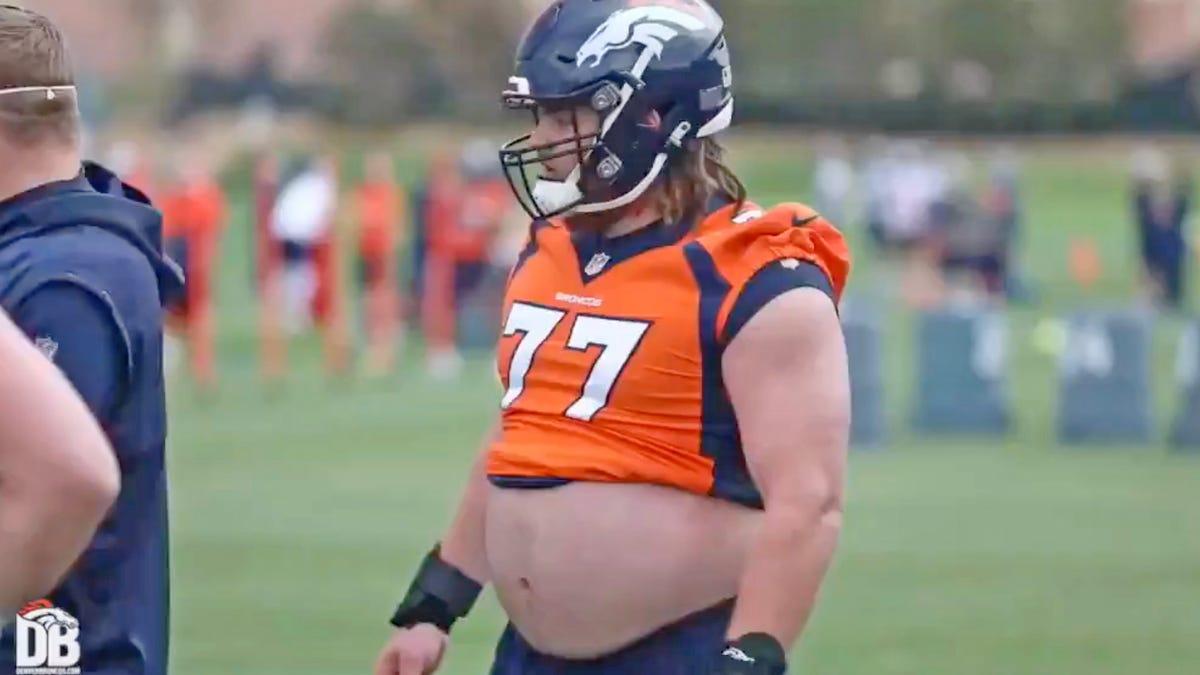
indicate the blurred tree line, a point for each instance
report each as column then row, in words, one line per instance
column 1056, row 50
column 971, row 65
column 429, row 58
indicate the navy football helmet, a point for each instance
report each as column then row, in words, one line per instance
column 625, row 59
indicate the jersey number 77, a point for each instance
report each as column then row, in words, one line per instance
column 618, row 338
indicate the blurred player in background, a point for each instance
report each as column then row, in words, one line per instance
column 833, row 179
column 301, row 221
column 380, row 208
column 194, row 208
column 266, row 249
column 1161, row 206
column 58, row 475
column 469, row 201
column 268, row 261
column 663, row 492
column 485, row 205
column 82, row 272
column 443, row 202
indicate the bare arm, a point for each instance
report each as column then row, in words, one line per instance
column 419, row 648
column 58, row 475
column 787, row 377
column 462, row 545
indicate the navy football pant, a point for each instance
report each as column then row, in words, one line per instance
column 687, row 647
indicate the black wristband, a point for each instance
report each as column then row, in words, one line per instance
column 417, row 608
column 753, row 654
column 439, row 594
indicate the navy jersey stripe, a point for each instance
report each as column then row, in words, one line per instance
column 719, row 438
column 624, row 247
column 527, row 482
column 769, row 283
column 531, row 246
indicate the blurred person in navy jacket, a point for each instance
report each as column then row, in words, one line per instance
column 83, row 275
column 1162, row 204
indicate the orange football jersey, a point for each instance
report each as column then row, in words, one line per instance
column 380, row 210
column 610, row 350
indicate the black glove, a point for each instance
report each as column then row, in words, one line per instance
column 752, row 654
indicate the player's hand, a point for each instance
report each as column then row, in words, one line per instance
column 413, row 651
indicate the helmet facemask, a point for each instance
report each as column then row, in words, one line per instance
column 604, row 179
column 523, row 161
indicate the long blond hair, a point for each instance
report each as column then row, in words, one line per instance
column 696, row 176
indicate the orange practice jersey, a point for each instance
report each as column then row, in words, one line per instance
column 194, row 210
column 379, row 206
column 610, row 351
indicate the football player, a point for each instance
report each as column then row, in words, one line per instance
column 379, row 206
column 58, row 474
column 194, row 209
column 663, row 491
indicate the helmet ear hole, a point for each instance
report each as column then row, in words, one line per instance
column 608, row 167
column 606, row 98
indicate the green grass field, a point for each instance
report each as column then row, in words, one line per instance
column 299, row 515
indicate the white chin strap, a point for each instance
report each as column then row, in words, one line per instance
column 552, row 196
column 555, row 196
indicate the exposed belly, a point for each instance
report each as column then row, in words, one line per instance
column 587, row 568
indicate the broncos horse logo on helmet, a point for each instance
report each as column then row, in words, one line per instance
column 628, row 63
column 652, row 26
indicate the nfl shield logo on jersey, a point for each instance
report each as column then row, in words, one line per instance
column 596, row 264
column 47, row 346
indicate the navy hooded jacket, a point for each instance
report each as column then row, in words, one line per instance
column 83, row 274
